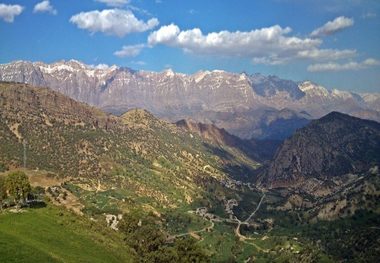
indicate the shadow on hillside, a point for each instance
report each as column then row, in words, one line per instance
column 223, row 154
column 231, row 165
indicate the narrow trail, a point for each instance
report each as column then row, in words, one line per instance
column 257, row 208
column 243, row 238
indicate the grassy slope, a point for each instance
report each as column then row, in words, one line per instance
column 53, row 235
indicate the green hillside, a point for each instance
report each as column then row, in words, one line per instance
column 52, row 234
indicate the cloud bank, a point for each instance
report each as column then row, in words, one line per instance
column 334, row 67
column 271, row 45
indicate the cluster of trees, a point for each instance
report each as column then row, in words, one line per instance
column 15, row 185
column 144, row 233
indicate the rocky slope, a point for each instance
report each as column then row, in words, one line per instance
column 140, row 155
column 335, row 145
column 261, row 150
column 240, row 103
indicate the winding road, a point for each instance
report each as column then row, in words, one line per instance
column 237, row 229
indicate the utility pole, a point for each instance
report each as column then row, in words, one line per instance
column 24, row 144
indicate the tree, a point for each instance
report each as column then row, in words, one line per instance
column 18, row 186
column 3, row 191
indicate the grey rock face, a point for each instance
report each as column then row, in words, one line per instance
column 245, row 105
column 334, row 145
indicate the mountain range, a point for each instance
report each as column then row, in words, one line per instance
column 263, row 107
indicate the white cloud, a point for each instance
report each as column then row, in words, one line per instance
column 114, row 3
column 369, row 15
column 327, row 54
column 370, row 62
column 9, row 12
column 165, row 35
column 271, row 45
column 271, row 40
column 332, row 27
column 129, row 51
column 44, row 7
column 112, row 22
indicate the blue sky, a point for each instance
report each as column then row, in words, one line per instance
column 332, row 42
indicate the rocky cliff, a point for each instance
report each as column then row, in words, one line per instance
column 335, row 145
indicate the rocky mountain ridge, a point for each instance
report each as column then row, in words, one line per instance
column 333, row 146
column 237, row 102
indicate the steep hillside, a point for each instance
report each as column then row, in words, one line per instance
column 141, row 156
column 332, row 146
column 257, row 150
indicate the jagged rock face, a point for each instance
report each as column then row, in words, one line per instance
column 257, row 150
column 334, row 145
column 236, row 102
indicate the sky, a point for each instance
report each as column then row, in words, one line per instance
column 335, row 43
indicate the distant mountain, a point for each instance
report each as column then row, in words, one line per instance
column 333, row 146
column 240, row 103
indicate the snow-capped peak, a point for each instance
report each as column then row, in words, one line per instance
column 169, row 72
column 200, row 75
column 313, row 89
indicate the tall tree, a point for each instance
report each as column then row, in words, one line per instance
column 18, row 186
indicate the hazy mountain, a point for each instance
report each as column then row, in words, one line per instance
column 237, row 102
column 333, row 146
